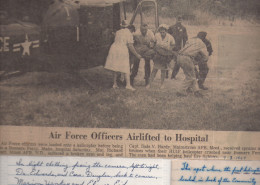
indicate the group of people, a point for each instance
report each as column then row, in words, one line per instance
column 169, row 46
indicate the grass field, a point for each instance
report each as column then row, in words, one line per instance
column 231, row 103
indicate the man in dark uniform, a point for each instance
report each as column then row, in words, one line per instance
column 179, row 32
column 203, row 65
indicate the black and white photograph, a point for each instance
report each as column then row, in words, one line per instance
column 132, row 64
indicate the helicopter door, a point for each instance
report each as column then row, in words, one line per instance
column 96, row 27
column 94, row 23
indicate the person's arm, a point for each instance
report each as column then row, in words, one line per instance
column 209, row 47
column 172, row 43
column 170, row 30
column 162, row 45
column 159, row 43
column 201, row 57
column 185, row 36
column 152, row 39
column 202, row 53
column 132, row 49
column 136, row 39
column 130, row 44
column 152, row 43
column 165, row 46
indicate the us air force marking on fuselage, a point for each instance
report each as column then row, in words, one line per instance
column 7, row 46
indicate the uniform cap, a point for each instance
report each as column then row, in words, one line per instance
column 179, row 18
column 124, row 24
column 202, row 34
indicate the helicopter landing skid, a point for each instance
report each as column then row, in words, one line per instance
column 7, row 74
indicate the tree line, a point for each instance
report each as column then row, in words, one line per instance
column 220, row 8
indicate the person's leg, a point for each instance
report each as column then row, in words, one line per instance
column 122, row 77
column 115, row 81
column 134, row 70
column 166, row 74
column 175, row 70
column 128, row 85
column 163, row 75
column 196, row 73
column 190, row 76
column 153, row 74
column 203, row 71
column 147, row 71
column 190, row 83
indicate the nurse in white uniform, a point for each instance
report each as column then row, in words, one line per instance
column 118, row 56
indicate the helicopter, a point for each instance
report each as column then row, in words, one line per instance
column 63, row 35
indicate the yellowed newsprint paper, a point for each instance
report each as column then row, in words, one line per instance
column 84, row 142
column 55, row 155
column 174, row 83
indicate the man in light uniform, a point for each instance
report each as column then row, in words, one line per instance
column 144, row 43
column 164, row 53
column 194, row 51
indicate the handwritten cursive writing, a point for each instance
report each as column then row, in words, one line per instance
column 84, row 171
column 216, row 172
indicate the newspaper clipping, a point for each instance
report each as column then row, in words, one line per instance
column 156, row 79
column 54, row 141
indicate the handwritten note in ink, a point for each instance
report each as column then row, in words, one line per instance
column 83, row 171
column 191, row 172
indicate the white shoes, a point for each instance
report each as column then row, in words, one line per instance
column 127, row 87
column 115, row 86
column 130, row 88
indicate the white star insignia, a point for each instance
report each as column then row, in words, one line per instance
column 26, row 46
